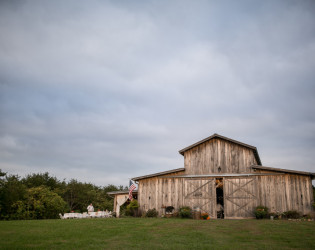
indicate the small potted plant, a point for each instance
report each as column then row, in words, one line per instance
column 205, row 216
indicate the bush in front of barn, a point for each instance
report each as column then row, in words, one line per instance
column 151, row 213
column 261, row 212
column 185, row 212
column 291, row 214
column 132, row 208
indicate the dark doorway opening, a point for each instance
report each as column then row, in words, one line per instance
column 220, row 198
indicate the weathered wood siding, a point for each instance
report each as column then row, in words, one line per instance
column 160, row 192
column 207, row 157
column 240, row 197
column 157, row 192
column 200, row 193
column 286, row 192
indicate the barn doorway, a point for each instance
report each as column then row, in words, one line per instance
column 220, row 198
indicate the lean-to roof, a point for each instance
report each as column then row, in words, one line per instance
column 283, row 170
column 113, row 193
column 158, row 174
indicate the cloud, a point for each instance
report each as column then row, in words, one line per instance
column 104, row 91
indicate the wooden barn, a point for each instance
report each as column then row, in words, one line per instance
column 226, row 179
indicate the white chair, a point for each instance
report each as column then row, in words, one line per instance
column 66, row 216
column 79, row 216
column 85, row 215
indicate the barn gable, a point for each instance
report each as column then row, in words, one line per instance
column 219, row 154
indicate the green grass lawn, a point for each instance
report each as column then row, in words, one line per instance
column 146, row 233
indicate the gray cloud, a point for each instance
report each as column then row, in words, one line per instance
column 106, row 90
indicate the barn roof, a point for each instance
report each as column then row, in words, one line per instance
column 113, row 193
column 281, row 170
column 226, row 139
column 220, row 175
column 158, row 174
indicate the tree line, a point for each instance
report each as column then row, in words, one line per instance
column 42, row 196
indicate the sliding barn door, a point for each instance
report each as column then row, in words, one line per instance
column 200, row 194
column 240, row 197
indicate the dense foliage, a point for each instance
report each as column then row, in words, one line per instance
column 261, row 212
column 185, row 212
column 151, row 213
column 291, row 214
column 132, row 208
column 41, row 196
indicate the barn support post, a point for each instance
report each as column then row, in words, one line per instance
column 119, row 201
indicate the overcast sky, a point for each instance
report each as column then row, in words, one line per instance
column 102, row 91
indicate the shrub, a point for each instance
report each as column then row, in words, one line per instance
column 151, row 213
column 261, row 212
column 185, row 212
column 292, row 214
column 132, row 208
column 204, row 216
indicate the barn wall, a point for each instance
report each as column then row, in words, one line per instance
column 207, row 157
column 159, row 192
column 286, row 192
column 279, row 193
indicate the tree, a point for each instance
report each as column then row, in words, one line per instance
column 11, row 191
column 40, row 196
column 132, row 208
column 78, row 195
column 44, row 179
column 41, row 203
column 2, row 181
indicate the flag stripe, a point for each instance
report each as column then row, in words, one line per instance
column 132, row 187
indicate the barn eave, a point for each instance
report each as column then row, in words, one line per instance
column 113, row 193
column 158, row 174
column 220, row 175
column 281, row 170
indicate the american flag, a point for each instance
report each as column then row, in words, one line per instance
column 132, row 187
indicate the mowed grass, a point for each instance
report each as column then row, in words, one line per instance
column 157, row 233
